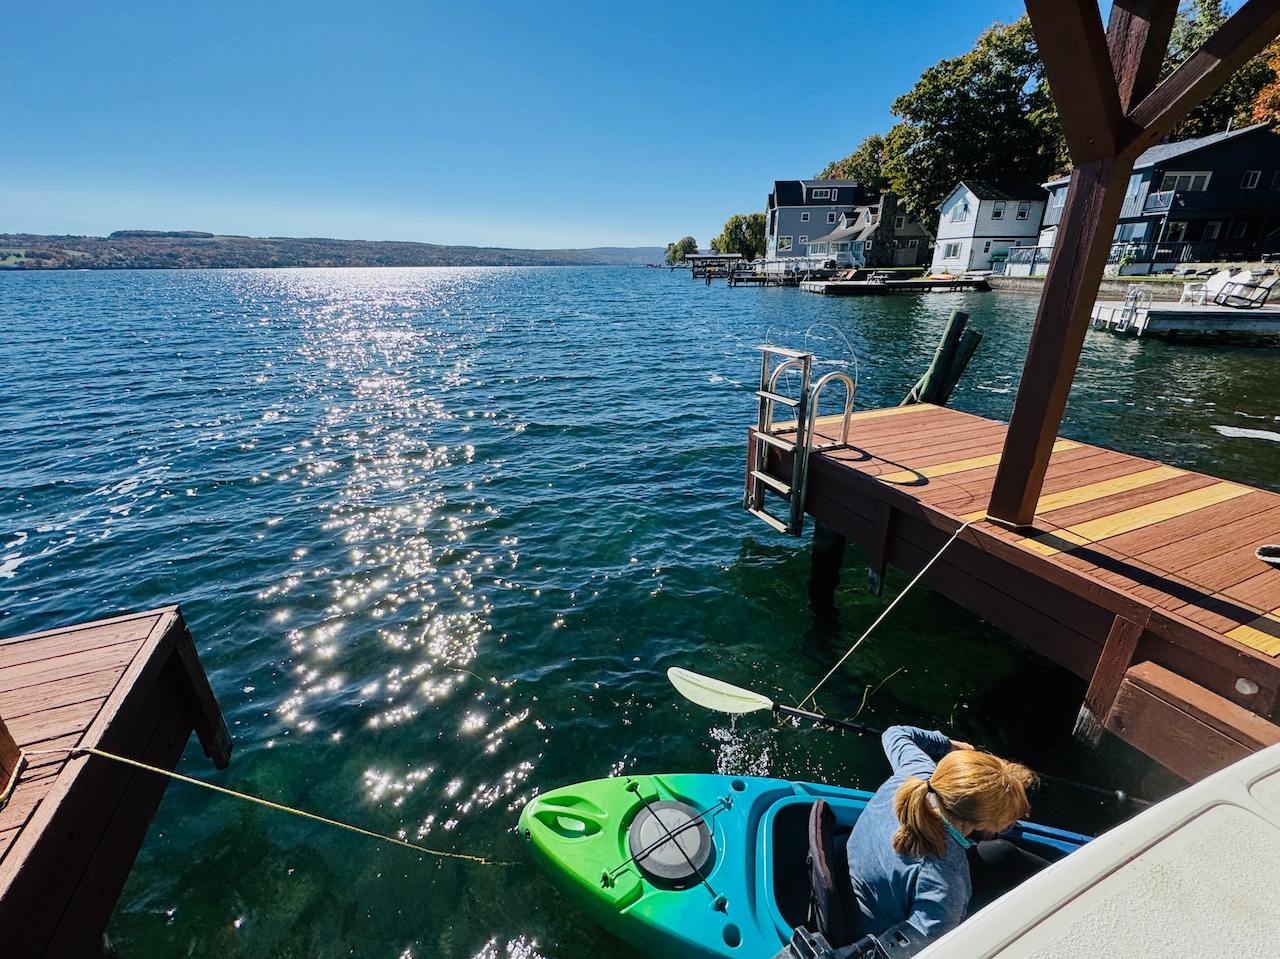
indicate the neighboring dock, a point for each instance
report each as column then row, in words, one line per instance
column 132, row 686
column 1129, row 318
column 884, row 286
column 1136, row 576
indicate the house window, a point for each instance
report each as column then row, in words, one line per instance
column 1135, row 184
column 841, row 247
column 804, row 239
column 784, row 243
column 831, row 218
column 911, row 243
column 1237, row 230
column 1212, row 229
column 1250, row 180
column 804, row 217
column 821, row 194
column 986, row 247
column 960, row 212
column 1185, row 182
column 899, row 222
column 1024, row 210
column 951, row 251
column 1059, row 198
column 997, row 210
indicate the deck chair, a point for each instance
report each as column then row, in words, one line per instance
column 1246, row 295
column 1201, row 293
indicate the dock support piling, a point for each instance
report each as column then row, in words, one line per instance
column 827, row 557
column 1116, row 658
column 878, row 549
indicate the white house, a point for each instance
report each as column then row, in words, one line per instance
column 981, row 221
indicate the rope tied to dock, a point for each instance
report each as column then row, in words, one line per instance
column 77, row 751
column 888, row 609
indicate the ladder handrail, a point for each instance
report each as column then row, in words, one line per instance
column 848, row 404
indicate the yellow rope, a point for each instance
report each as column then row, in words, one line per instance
column 266, row 802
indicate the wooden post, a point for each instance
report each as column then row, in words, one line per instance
column 878, row 549
column 826, row 559
column 12, row 763
column 1104, row 85
column 1080, row 254
column 1117, row 657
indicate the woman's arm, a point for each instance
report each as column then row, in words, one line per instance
column 912, row 751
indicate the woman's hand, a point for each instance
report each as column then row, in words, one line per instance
column 957, row 744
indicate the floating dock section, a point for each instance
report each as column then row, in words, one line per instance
column 883, row 287
column 131, row 686
column 1138, row 577
column 1171, row 319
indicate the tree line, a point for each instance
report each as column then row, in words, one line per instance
column 989, row 115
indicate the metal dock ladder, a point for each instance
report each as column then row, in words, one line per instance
column 776, row 361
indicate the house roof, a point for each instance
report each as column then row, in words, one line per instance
column 835, row 236
column 1162, row 153
column 791, row 192
column 1005, row 189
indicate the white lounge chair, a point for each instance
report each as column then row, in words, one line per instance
column 1201, row 293
column 1247, row 295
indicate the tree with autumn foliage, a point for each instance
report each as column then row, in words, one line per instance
column 1236, row 102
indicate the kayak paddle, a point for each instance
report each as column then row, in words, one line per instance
column 726, row 698
column 722, row 697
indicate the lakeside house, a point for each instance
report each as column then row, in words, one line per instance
column 981, row 221
column 1207, row 199
column 799, row 210
column 869, row 236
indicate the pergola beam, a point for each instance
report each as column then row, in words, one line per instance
column 1234, row 44
column 1096, row 80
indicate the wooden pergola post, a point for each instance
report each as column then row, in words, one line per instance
column 1104, row 84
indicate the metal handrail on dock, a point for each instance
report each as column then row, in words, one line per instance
column 791, row 489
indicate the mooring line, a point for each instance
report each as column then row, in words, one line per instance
column 888, row 610
column 73, row 752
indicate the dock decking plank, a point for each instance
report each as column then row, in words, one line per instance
column 1114, row 535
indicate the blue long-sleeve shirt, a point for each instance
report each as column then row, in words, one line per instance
column 928, row 892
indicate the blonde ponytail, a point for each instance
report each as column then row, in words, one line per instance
column 920, row 829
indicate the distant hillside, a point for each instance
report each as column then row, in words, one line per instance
column 190, row 249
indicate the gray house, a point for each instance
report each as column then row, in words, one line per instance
column 1211, row 198
column 798, row 211
column 869, row 236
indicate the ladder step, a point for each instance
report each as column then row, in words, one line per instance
column 777, row 398
column 769, row 518
column 772, row 482
column 776, row 441
column 783, row 351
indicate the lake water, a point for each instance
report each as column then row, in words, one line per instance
column 439, row 533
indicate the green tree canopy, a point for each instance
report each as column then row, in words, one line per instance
column 1236, row 101
column 744, row 233
column 678, row 250
column 865, row 164
column 986, row 115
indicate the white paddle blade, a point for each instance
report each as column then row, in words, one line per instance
column 714, row 694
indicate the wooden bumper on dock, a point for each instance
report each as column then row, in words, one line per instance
column 1136, row 576
column 132, row 686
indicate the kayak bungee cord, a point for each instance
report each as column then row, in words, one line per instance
column 77, row 752
column 669, row 836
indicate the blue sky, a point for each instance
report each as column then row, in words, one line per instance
column 525, row 123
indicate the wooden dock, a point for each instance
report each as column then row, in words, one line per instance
column 874, row 287
column 1171, row 319
column 132, row 686
column 1136, row 576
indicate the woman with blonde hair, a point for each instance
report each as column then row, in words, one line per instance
column 911, row 858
